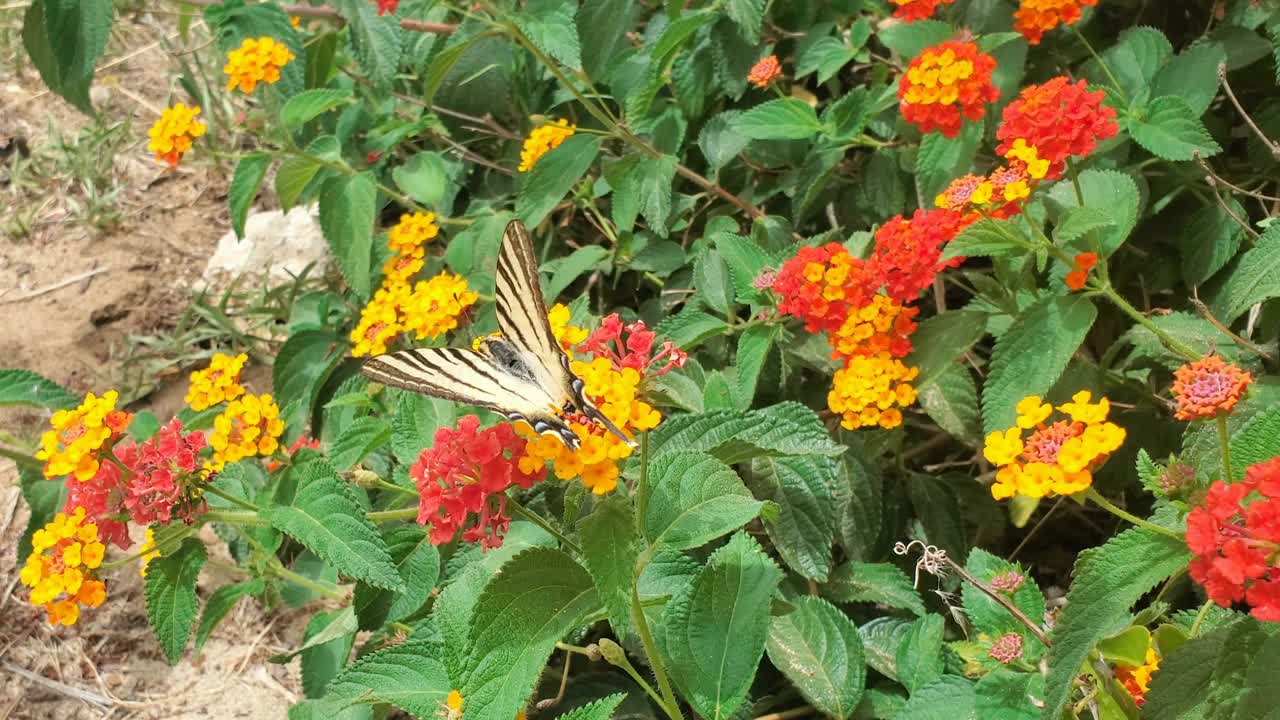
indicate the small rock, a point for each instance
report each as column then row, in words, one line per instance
column 280, row 244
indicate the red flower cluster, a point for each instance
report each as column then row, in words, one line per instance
column 946, row 84
column 102, row 497
column 820, row 285
column 912, row 10
column 1060, row 119
column 467, row 472
column 1237, row 543
column 387, row 6
column 634, row 351
column 907, row 252
column 165, row 473
column 1085, row 262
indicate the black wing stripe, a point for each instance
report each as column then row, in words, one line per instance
column 488, row 373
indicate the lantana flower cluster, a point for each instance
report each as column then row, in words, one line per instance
column 542, row 140
column 907, row 254
column 764, row 72
column 1208, row 388
column 912, row 10
column 1235, row 536
column 1057, row 458
column 1079, row 275
column 1002, row 192
column 61, row 569
column 1034, row 18
column 463, row 477
column 1058, row 118
column 248, row 427
column 1137, row 678
column 945, row 85
column 74, row 445
column 256, row 60
column 218, row 383
column 173, row 134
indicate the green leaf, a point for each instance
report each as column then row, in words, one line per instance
column 720, row 141
column 431, row 178
column 1135, row 59
column 322, row 661
column 1261, row 693
column 1008, row 695
column 418, row 563
column 602, row 27
column 734, row 436
column 881, row 637
column 879, row 583
column 804, row 529
column 1256, row 277
column 1110, row 192
column 783, row 119
column 910, row 39
column 553, row 175
column 248, row 177
column 549, row 24
column 1031, row 355
column 690, row 327
column 23, row 387
column 416, row 420
column 301, row 367
column 858, row 496
column 375, row 41
column 409, row 676
column 357, row 440
column 539, row 597
column 327, row 519
column 442, row 64
column 348, row 204
column 1209, row 240
column 714, row 286
column 693, row 498
column 947, row 698
column 295, row 173
column 1129, row 647
column 1171, row 130
column 753, row 349
column 602, row 709
column 1077, row 222
column 942, row 339
column 844, row 119
column 44, row 497
column 746, row 261
column 951, row 400
column 987, row 237
column 584, row 260
column 825, row 57
column 749, row 15
column 919, row 658
column 642, row 186
column 1257, row 441
column 1192, row 75
column 1226, row 672
column 310, row 104
column 610, row 547
column 473, row 253
column 1188, row 329
column 986, row 614
column 220, row 602
column 170, row 588
column 1107, row 581
column 716, row 628
column 941, row 159
column 64, row 39
column 819, row 650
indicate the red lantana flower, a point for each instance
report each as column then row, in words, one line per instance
column 945, row 85
column 765, row 72
column 907, row 252
column 462, row 480
column 634, row 351
column 102, row 497
column 1060, row 119
column 165, row 476
column 912, row 10
column 820, row 285
column 1085, row 262
column 1235, row 537
column 387, row 6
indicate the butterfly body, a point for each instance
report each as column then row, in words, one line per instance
column 522, row 373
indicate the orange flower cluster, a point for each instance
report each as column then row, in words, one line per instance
column 945, row 85
column 542, row 140
column 912, row 10
column 173, row 134
column 870, row 389
column 820, row 285
column 883, row 325
column 61, row 570
column 765, row 72
column 1057, row 458
column 1076, row 279
column 1002, row 192
column 256, row 60
column 1059, row 119
column 907, row 254
column 1137, row 678
column 1208, row 387
column 73, row 446
column 1034, row 18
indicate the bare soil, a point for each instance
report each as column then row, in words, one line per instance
column 72, row 328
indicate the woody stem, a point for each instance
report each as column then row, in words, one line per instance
column 1110, row 507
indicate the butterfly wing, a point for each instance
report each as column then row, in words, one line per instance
column 475, row 378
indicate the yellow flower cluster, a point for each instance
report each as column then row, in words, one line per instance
column 218, row 383
column 1058, row 458
column 596, row 459
column 870, row 389
column 175, row 131
column 249, row 426
column 71, row 447
column 148, row 552
column 60, row 569
column 1006, row 184
column 882, row 325
column 542, row 140
column 256, row 60
column 412, row 232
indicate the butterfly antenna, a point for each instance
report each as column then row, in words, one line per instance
column 594, row 413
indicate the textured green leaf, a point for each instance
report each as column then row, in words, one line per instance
column 418, row 563
column 987, row 237
column 221, row 602
column 553, row 176
column 715, row 629
column 990, row 617
column 585, row 259
column 1192, row 75
column 610, row 547
column 347, row 207
column 23, row 387
column 951, row 400
column 845, row 119
column 409, row 676
column 431, row 178
column 919, row 658
column 327, row 519
column 1200, row 448
column 825, row 57
column 937, row 510
column 804, row 529
column 1188, row 329
column 784, row 119
column 375, row 41
column 753, row 349
column 942, row 159
column 1170, row 129
column 416, row 420
column 44, row 497
column 1031, row 355
column 539, row 596
column 1261, row 692
column 64, row 39
column 310, row 104
column 749, row 15
column 733, row 436
column 550, row 25
column 1257, row 441
column 881, row 637
column 322, row 661
column 443, row 63
column 245, row 182
column 720, row 141
column 746, row 261
column 295, row 173
column 1107, row 581
column 942, row 339
column 910, row 39
column 858, row 493
column 1209, row 240
column 693, row 498
column 642, row 186
column 357, row 440
column 602, row 28
column 1109, row 192
column 1254, row 279
column 1135, row 59
column 819, row 650
column 1223, row 673
column 170, row 588
column 947, row 698
column 1008, row 695
column 879, row 583
column 602, row 709
column 301, row 367
column 690, row 327
column 1077, row 222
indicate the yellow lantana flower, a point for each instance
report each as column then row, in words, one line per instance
column 256, row 60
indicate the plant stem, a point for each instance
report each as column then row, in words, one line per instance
column 384, row 485
column 672, row 705
column 235, row 517
column 279, row 570
column 642, row 486
column 1106, row 69
column 1224, row 443
column 1110, row 507
column 20, row 457
column 541, row 522
column 1003, row 601
column 244, row 504
column 1200, row 616
column 164, row 547
column 1168, row 340
column 410, row 513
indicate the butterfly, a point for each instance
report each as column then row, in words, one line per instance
column 522, row 373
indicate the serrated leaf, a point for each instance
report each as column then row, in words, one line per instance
column 844, row 119
column 416, row 420
column 602, row 709
column 585, row 259
column 783, row 119
column 878, row 583
column 539, row 596
column 919, row 658
column 749, row 15
column 1192, row 75
column 819, row 650
column 431, row 178
column 1186, row 328
column 602, row 28
column 322, row 661
column 1257, row 441
column 245, row 182
column 310, row 104
column 858, row 497
column 1077, row 222
column 1209, row 240
column 947, row 698
column 44, row 498
column 910, row 39
column 714, row 286
column 409, row 676
column 753, row 349
column 825, row 57
column 326, row 518
column 943, row 338
column 690, row 327
column 23, row 387
column 734, row 436
column 418, row 563
column 1213, row 675
column 990, row 617
column 170, row 588
column 1135, row 59
column 347, row 207
column 642, row 186
column 716, row 628
column 65, row 39
column 1107, row 581
column 220, row 602
column 1008, row 695
column 550, row 25
column 295, row 173
column 357, row 440
column 1171, row 130
column 300, row 369
column 610, row 547
column 881, row 637
column 1031, row 355
column 375, row 40
column 1256, row 277
column 803, row 488
column 987, row 238
column 719, row 140
column 553, row 176
column 1110, row 192
column 942, row 159
column 693, row 498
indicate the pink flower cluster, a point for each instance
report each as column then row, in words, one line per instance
column 634, row 351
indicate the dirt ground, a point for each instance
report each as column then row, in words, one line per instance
column 70, row 295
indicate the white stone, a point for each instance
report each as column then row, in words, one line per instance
column 279, row 244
